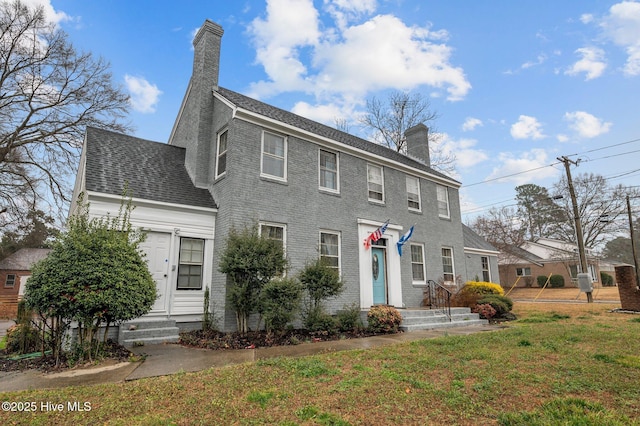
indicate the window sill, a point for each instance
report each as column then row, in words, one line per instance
column 376, row 202
column 274, row 179
column 414, row 211
column 329, row 192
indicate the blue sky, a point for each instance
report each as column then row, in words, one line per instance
column 515, row 83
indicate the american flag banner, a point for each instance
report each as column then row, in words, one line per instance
column 375, row 235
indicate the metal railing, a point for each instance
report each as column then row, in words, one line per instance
column 437, row 297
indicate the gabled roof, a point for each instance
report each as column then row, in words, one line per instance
column 474, row 241
column 24, row 259
column 322, row 130
column 515, row 251
column 153, row 170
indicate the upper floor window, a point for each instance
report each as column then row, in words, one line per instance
column 328, row 170
column 448, row 269
column 330, row 249
column 417, row 263
column 274, row 155
column 413, row 193
column 221, row 157
column 486, row 276
column 443, row 201
column 11, row 281
column 375, row 183
column 190, row 264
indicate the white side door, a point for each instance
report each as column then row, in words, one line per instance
column 156, row 247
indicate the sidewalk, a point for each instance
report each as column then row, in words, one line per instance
column 166, row 359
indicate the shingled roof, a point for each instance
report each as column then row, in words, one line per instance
column 473, row 240
column 292, row 119
column 153, row 170
column 24, row 259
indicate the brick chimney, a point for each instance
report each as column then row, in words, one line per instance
column 193, row 127
column 417, row 139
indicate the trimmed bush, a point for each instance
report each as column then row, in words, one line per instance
column 349, row 319
column 541, row 280
column 317, row 320
column 384, row 319
column 501, row 304
column 279, row 303
column 556, row 281
column 472, row 291
column 484, row 310
column 606, row 279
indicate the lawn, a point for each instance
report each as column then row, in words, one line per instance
column 574, row 363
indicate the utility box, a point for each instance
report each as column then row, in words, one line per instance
column 584, row 282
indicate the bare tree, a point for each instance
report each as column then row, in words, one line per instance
column 602, row 208
column 501, row 227
column 49, row 94
column 390, row 119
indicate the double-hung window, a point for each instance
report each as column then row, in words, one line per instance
column 275, row 232
column 330, row 249
column 417, row 263
column 523, row 272
column 375, row 183
column 443, row 201
column 413, row 193
column 274, row 156
column 328, row 171
column 447, row 265
column 221, row 156
column 10, row 281
column 486, row 276
column 190, row 264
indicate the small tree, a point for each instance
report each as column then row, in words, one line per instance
column 95, row 275
column 320, row 282
column 279, row 303
column 250, row 262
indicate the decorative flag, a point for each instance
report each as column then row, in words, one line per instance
column 375, row 235
column 404, row 239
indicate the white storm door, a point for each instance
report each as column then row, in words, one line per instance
column 157, row 246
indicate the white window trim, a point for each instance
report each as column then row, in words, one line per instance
column 276, row 225
column 373, row 200
column 523, row 270
column 488, row 266
column 413, row 209
column 446, row 193
column 262, row 154
column 424, row 265
column 218, row 153
column 180, row 262
column 13, row 282
column 324, row 188
column 327, row 231
column 453, row 263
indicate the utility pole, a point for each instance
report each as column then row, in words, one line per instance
column 576, row 218
column 633, row 243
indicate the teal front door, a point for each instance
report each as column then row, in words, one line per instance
column 378, row 276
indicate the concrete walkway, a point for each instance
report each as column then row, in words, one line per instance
column 162, row 360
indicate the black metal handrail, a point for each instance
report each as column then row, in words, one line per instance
column 438, row 297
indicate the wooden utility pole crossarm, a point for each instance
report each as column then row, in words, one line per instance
column 576, row 217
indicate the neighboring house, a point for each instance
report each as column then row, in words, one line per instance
column 544, row 256
column 233, row 161
column 481, row 258
column 15, row 270
column 609, row 267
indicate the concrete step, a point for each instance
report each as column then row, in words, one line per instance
column 426, row 319
column 147, row 332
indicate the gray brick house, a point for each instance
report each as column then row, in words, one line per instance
column 233, row 161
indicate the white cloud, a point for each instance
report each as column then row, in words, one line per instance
column 325, row 113
column 562, row 138
column 586, row 125
column 540, row 59
column 586, row 18
column 471, row 123
column 622, row 26
column 524, row 168
column 144, row 95
column 353, row 57
column 463, row 149
column 50, row 13
column 592, row 63
column 527, row 128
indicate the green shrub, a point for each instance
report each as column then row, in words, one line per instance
column 606, row 279
column 384, row 319
column 502, row 304
column 317, row 320
column 541, row 279
column 472, row 291
column 279, row 303
column 349, row 319
column 23, row 339
column 556, row 281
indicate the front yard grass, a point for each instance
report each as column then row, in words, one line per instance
column 558, row 364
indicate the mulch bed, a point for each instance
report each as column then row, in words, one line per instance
column 260, row 339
